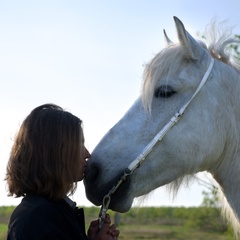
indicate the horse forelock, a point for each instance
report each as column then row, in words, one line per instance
column 165, row 62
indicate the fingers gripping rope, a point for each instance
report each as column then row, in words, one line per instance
column 103, row 211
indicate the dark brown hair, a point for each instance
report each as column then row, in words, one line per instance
column 45, row 153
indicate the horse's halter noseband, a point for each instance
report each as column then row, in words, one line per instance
column 139, row 160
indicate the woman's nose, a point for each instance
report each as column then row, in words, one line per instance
column 86, row 153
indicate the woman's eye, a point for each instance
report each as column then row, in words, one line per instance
column 164, row 91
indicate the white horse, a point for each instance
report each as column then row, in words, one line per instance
column 205, row 139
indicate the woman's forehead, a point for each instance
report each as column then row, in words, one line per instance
column 82, row 134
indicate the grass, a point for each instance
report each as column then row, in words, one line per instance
column 3, row 231
column 155, row 232
column 139, row 232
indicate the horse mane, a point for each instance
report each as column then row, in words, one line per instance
column 217, row 41
column 219, row 37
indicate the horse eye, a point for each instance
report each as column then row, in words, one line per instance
column 164, row 91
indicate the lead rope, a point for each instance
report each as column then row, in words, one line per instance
column 107, row 198
column 139, row 160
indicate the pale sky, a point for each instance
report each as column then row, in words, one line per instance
column 88, row 57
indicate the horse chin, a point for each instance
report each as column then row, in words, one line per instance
column 121, row 199
column 118, row 203
column 121, row 205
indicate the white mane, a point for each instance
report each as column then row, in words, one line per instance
column 219, row 37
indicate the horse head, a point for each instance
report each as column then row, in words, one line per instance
column 201, row 141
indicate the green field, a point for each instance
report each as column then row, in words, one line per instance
column 161, row 223
column 137, row 232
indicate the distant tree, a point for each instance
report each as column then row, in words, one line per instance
column 208, row 216
column 210, row 198
column 235, row 48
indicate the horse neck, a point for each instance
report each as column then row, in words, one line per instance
column 229, row 182
column 227, row 174
column 227, row 169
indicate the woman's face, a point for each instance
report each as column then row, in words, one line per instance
column 84, row 155
column 83, row 163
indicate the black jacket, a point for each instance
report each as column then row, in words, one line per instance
column 37, row 218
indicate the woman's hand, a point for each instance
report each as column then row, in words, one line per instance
column 107, row 232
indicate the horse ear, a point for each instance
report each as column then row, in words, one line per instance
column 192, row 47
column 169, row 42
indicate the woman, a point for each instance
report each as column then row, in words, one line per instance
column 47, row 160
